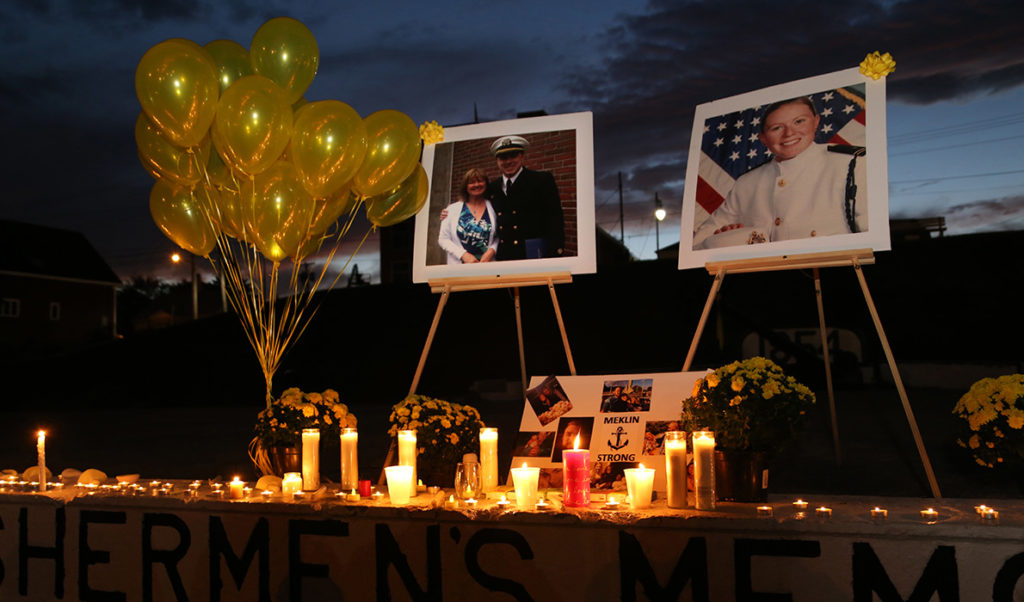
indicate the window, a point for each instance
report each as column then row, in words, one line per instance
column 10, row 308
column 54, row 311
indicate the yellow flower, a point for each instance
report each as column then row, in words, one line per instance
column 453, row 438
column 446, row 423
column 735, row 401
column 713, row 380
column 737, row 383
column 308, row 410
column 876, row 65
column 974, row 442
column 431, row 132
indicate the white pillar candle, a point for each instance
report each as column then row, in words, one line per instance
column 400, row 484
column 349, row 459
column 407, row 451
column 41, row 451
column 310, row 459
column 525, row 481
column 489, row 458
column 675, row 468
column 639, row 484
column 704, row 470
column 235, row 489
column 290, row 484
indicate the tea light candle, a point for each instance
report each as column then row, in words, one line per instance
column 612, row 503
column 353, row 496
column 800, row 505
column 704, row 469
column 675, row 468
column 988, row 514
column 450, row 503
column 765, row 511
column 266, row 494
column 400, row 488
column 41, row 452
column 639, row 484
column 290, row 484
column 299, row 496
column 929, row 515
column 542, row 505
column 823, row 512
column 218, row 489
column 349, row 458
column 489, row 458
column 407, row 451
column 377, row 495
column 310, row 459
column 525, row 481
column 235, row 489
column 503, row 503
column 470, row 502
column 879, row 513
column 979, row 509
column 576, row 476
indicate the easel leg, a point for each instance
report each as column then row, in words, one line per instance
column 519, row 333
column 430, row 339
column 899, row 383
column 703, row 318
column 828, row 367
column 561, row 327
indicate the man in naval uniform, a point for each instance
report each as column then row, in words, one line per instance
column 806, row 190
column 527, row 204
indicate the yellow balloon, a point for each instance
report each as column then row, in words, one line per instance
column 278, row 211
column 176, row 82
column 328, row 145
column 179, row 215
column 181, row 166
column 229, row 215
column 392, row 153
column 220, row 174
column 232, row 60
column 327, row 211
column 401, row 202
column 253, row 124
column 284, row 50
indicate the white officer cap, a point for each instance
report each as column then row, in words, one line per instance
column 507, row 144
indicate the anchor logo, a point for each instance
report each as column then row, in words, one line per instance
column 620, row 440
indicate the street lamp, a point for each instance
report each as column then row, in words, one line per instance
column 659, row 215
column 176, row 258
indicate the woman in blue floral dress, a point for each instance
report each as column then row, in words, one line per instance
column 468, row 231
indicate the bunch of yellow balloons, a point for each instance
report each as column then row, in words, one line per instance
column 236, row 150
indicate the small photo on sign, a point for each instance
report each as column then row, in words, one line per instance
column 571, row 430
column 626, row 395
column 550, row 478
column 608, row 476
column 533, row 444
column 548, row 400
column 654, row 436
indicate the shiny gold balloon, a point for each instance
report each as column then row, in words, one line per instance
column 327, row 211
column 178, row 214
column 181, row 166
column 220, row 174
column 232, row 61
column 230, row 217
column 392, row 153
column 176, row 82
column 401, row 202
column 328, row 145
column 253, row 124
column 278, row 211
column 284, row 50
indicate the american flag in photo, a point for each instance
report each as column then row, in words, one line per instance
column 730, row 146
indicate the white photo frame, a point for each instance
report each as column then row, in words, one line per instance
column 733, row 124
column 560, row 144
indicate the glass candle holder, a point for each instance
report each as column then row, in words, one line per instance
column 467, row 480
column 704, row 470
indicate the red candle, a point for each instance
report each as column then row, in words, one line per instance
column 576, row 476
column 364, row 488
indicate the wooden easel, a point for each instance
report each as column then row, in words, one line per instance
column 446, row 286
column 855, row 259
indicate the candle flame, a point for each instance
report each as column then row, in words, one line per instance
column 576, row 443
column 524, row 465
column 236, row 479
column 640, row 466
column 503, row 498
column 451, row 498
column 42, row 434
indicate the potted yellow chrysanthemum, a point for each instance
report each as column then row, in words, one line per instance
column 277, row 446
column 445, row 432
column 754, row 410
column 993, row 421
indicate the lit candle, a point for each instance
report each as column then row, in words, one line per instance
column 399, row 484
column 41, row 451
column 310, row 459
column 879, row 513
column 353, row 496
column 376, row 495
column 349, row 459
column 542, row 505
column 489, row 458
column 407, row 452
column 525, row 481
column 266, row 494
column 470, row 502
column 612, row 503
column 365, row 488
column 576, row 476
column 639, row 484
column 235, row 488
column 980, row 509
column 704, row 470
column 930, row 515
column 503, row 503
column 989, row 514
column 291, row 484
column 823, row 512
column 800, row 505
column 450, row 503
column 765, row 511
column 675, row 468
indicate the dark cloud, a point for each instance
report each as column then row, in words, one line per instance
column 1005, row 214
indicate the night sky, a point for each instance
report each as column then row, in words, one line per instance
column 955, row 103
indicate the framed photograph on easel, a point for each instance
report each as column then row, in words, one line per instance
column 479, row 222
column 795, row 168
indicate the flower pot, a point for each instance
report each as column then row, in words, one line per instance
column 284, row 458
column 441, row 475
column 741, row 476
